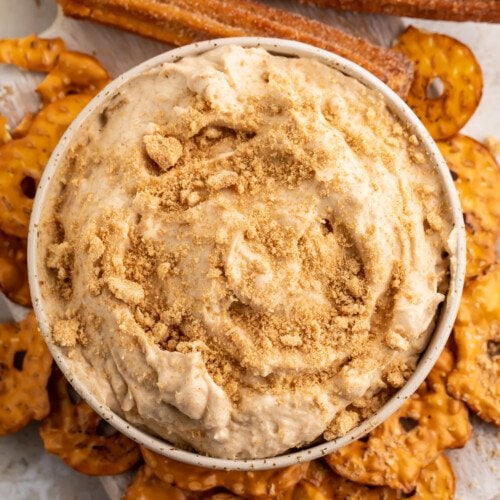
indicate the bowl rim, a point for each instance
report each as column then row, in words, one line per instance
column 446, row 315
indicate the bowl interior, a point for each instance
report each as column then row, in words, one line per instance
column 446, row 314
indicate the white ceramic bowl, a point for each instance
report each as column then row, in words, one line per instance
column 447, row 312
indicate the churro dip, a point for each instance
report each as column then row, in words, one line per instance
column 244, row 253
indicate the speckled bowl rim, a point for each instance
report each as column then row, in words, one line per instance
column 447, row 313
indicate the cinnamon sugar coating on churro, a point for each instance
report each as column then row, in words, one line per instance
column 446, row 10
column 180, row 22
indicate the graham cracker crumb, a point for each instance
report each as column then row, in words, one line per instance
column 96, row 247
column 291, row 340
column 59, row 258
column 222, row 179
column 65, row 332
column 125, row 290
column 164, row 151
column 341, row 424
column 435, row 221
column 413, row 140
column 396, row 341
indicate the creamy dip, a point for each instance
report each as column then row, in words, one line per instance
column 243, row 253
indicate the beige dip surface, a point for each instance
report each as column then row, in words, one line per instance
column 243, row 253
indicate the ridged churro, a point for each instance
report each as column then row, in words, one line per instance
column 185, row 21
column 446, row 10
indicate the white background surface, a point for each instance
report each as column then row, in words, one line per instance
column 26, row 471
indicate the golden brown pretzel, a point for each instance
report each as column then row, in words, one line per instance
column 477, row 179
column 75, row 433
column 476, row 376
column 396, row 451
column 437, row 56
column 436, row 481
column 146, row 486
column 251, row 483
column 22, row 161
column 31, row 53
column 74, row 73
column 25, row 364
column 13, row 271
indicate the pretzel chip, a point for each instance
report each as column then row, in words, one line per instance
column 74, row 73
column 22, row 161
column 440, row 59
column 80, row 437
column 244, row 483
column 476, row 376
column 396, row 451
column 31, row 53
column 25, row 364
column 477, row 179
column 146, row 486
column 306, row 490
column 436, row 481
column 13, row 269
column 331, row 485
column 68, row 72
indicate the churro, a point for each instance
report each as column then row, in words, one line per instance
column 446, row 10
column 185, row 21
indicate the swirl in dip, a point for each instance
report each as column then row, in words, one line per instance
column 243, row 253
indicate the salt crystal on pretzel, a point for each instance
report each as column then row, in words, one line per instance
column 306, row 491
column 437, row 480
column 25, row 364
column 397, row 450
